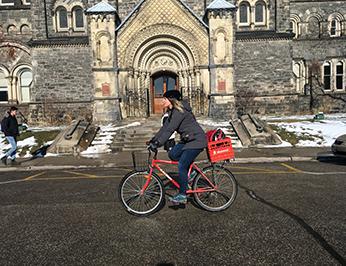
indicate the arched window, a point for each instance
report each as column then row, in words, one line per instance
column 327, row 71
column 25, row 80
column 334, row 27
column 244, row 13
column 260, row 15
column 78, row 18
column 3, row 87
column 339, row 76
column 62, row 21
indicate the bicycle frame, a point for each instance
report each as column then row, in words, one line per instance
column 155, row 165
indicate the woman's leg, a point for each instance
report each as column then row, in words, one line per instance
column 186, row 159
column 175, row 153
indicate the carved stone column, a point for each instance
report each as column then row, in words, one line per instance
column 221, row 21
column 102, row 22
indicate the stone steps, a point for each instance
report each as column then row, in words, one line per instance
column 133, row 139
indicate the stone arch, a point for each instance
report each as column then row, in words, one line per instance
column 11, row 29
column 176, row 35
column 5, row 70
column 67, row 4
column 172, row 65
column 103, row 46
column 24, row 29
column 16, row 69
column 296, row 21
column 19, row 46
column 163, row 43
column 313, row 25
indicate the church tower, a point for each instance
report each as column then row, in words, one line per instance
column 220, row 16
column 103, row 20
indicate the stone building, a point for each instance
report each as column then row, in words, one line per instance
column 108, row 60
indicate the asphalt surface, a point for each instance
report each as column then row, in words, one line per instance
column 285, row 214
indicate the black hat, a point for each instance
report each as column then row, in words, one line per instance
column 172, row 94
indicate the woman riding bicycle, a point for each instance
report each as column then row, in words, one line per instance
column 193, row 140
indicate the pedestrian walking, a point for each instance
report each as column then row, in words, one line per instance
column 9, row 125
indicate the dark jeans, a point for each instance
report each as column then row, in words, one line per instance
column 185, row 158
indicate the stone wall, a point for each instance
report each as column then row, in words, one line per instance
column 264, row 68
column 283, row 15
column 62, row 81
column 15, row 24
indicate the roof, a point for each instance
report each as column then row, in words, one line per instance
column 220, row 4
column 135, row 10
column 102, row 7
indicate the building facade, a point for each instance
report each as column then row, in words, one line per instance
column 108, row 60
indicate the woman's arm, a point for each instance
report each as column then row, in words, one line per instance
column 169, row 127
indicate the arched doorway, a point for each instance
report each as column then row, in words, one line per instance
column 160, row 83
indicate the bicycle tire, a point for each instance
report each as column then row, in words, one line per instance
column 129, row 190
column 204, row 199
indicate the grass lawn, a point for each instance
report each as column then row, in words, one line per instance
column 41, row 137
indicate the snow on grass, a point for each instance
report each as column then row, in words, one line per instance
column 28, row 142
column 320, row 133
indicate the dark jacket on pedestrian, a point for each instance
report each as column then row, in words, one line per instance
column 10, row 126
column 186, row 125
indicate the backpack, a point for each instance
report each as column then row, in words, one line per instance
column 4, row 124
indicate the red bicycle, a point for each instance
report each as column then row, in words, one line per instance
column 141, row 192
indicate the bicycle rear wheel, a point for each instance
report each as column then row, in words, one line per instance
column 225, row 193
column 141, row 204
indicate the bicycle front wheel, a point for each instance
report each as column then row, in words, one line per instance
column 136, row 201
column 226, row 188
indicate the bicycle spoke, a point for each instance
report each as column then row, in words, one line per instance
column 220, row 198
column 138, row 201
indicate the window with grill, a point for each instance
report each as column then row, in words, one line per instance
column 3, row 87
column 244, row 13
column 62, row 21
column 327, row 76
column 78, row 18
column 260, row 13
column 25, row 79
column 333, row 28
column 340, row 76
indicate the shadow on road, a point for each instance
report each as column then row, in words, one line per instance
column 320, row 240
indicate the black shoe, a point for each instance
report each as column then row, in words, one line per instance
column 4, row 160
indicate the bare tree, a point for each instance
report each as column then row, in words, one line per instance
column 316, row 86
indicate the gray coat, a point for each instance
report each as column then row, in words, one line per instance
column 186, row 125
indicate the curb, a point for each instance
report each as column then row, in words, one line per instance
column 113, row 165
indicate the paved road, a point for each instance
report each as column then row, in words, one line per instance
column 285, row 214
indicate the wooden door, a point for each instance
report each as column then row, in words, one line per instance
column 161, row 84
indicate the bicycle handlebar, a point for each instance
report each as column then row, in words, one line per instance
column 150, row 152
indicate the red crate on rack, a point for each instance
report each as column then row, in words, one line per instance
column 220, row 150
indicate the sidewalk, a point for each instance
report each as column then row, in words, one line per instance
column 124, row 159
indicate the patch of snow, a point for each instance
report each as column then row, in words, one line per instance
column 39, row 129
column 102, row 148
column 31, row 141
column 321, row 133
column 101, row 144
column 48, row 154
